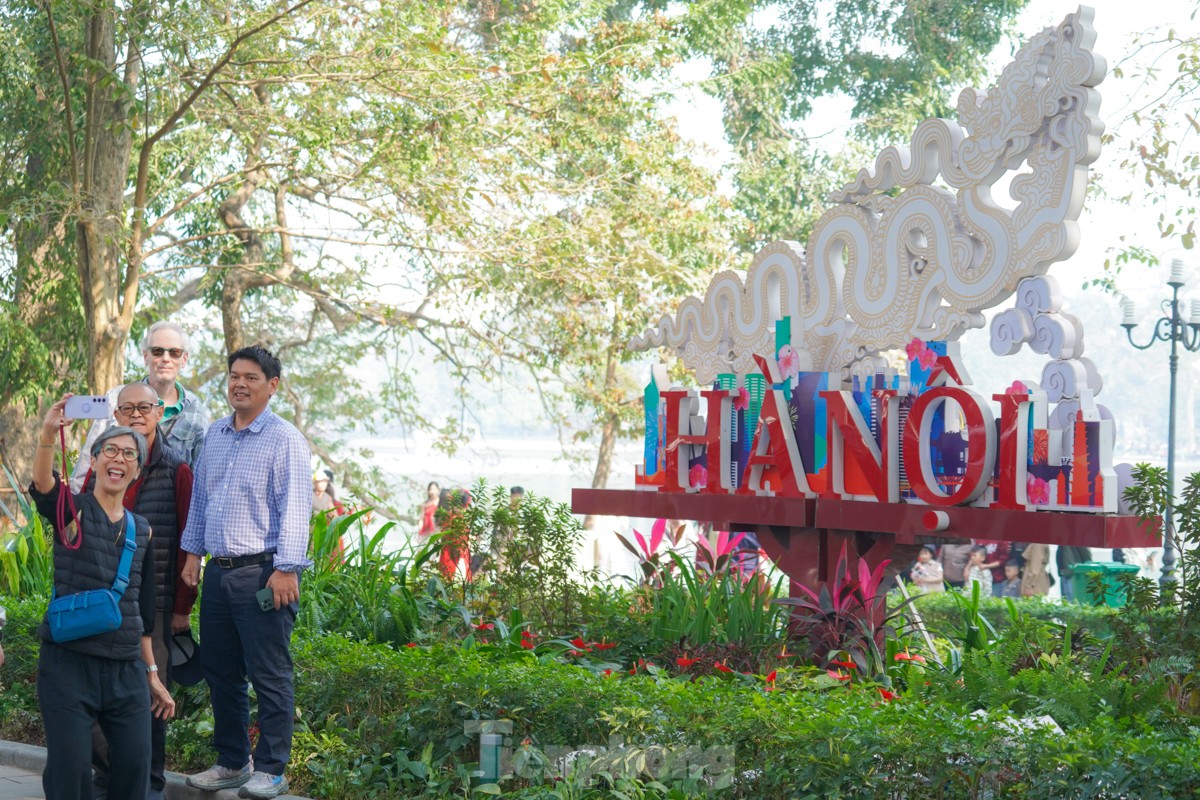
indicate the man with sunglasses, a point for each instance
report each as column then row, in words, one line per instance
column 162, row 493
column 184, row 417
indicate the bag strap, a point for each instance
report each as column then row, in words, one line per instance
column 66, row 501
column 122, row 579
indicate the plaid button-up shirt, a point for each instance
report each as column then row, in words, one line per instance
column 252, row 492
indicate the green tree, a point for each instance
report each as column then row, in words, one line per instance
column 1157, row 135
column 492, row 182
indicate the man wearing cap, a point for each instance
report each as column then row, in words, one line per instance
column 162, row 493
column 184, row 417
column 251, row 507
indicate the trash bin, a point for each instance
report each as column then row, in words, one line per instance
column 1114, row 590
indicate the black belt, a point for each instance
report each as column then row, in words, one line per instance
column 233, row 562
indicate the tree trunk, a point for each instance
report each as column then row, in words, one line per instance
column 611, row 427
column 253, row 256
column 100, row 227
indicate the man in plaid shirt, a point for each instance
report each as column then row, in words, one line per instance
column 184, row 420
column 251, row 505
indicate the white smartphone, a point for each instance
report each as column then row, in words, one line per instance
column 87, row 406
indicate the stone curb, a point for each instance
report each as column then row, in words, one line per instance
column 33, row 759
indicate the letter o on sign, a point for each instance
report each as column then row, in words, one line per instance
column 981, row 446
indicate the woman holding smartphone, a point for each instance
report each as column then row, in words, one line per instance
column 108, row 678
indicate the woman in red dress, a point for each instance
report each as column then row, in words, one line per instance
column 429, row 510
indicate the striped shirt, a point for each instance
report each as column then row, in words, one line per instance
column 252, row 492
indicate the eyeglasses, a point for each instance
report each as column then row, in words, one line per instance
column 175, row 352
column 127, row 409
column 127, row 453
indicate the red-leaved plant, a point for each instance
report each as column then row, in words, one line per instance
column 650, row 560
column 849, row 617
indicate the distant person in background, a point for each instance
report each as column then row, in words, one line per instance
column 1144, row 558
column 331, row 490
column 998, row 554
column 954, row 559
column 1011, row 585
column 515, row 495
column 1066, row 559
column 455, row 547
column 429, row 510
column 322, row 501
column 926, row 573
column 1035, row 580
column 977, row 572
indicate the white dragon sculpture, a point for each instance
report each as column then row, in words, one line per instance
column 916, row 246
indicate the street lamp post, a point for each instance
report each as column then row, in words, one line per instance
column 1169, row 328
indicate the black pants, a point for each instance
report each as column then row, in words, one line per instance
column 239, row 640
column 77, row 691
column 158, row 727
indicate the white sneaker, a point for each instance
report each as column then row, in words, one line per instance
column 264, row 786
column 218, row 777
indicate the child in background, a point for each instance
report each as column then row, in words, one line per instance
column 976, row 572
column 1011, row 585
column 927, row 573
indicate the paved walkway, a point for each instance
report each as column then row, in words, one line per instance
column 21, row 768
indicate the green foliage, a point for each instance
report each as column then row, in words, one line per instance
column 20, row 719
column 357, row 588
column 1150, row 496
column 527, row 558
column 695, row 607
column 26, row 551
column 945, row 613
column 897, row 60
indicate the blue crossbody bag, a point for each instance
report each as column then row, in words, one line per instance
column 77, row 616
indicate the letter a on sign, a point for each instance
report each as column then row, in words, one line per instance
column 774, row 465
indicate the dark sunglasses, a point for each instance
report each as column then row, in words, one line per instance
column 175, row 352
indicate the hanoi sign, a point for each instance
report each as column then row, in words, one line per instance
column 829, row 372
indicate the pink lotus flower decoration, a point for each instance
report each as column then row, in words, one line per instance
column 789, row 361
column 698, row 476
column 914, row 349
column 1038, row 491
column 742, row 401
column 1017, row 388
column 922, row 353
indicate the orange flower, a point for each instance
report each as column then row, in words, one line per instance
column 721, row 667
column 844, row 664
column 604, row 645
column 685, row 662
column 886, row 695
column 913, row 657
column 837, row 675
